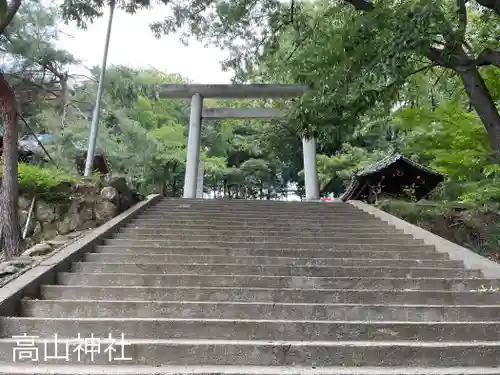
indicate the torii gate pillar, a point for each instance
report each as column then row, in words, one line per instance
column 193, row 147
column 310, row 170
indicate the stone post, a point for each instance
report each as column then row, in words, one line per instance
column 310, row 171
column 193, row 147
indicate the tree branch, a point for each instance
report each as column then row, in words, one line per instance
column 488, row 57
column 80, row 111
column 364, row 5
column 44, row 64
column 412, row 73
column 439, row 78
column 437, row 56
column 462, row 19
column 84, row 76
column 292, row 52
column 459, row 60
column 13, row 8
column 451, row 59
column 305, row 35
column 32, row 83
column 494, row 5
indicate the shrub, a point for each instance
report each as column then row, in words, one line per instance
column 44, row 182
column 474, row 225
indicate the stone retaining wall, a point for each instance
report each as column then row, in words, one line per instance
column 55, row 223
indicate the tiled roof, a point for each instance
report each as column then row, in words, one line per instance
column 385, row 162
column 355, row 184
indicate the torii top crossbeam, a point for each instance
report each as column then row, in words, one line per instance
column 228, row 91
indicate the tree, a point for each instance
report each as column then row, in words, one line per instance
column 9, row 224
column 442, row 36
column 382, row 47
column 34, row 68
column 37, row 70
column 133, row 119
column 379, row 46
column 170, row 158
column 10, row 237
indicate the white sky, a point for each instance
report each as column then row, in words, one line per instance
column 133, row 44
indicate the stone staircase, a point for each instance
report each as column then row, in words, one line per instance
column 259, row 287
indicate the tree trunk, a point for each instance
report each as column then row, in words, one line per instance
column 164, row 187
column 483, row 103
column 10, row 236
column 174, row 186
column 63, row 100
column 164, row 181
column 13, row 8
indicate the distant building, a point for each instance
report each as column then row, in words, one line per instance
column 393, row 176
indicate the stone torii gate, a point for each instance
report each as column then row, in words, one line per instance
column 252, row 91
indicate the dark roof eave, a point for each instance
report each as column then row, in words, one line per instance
column 392, row 159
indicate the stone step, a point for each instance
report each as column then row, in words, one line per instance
column 258, row 260
column 254, row 204
column 225, row 329
column 362, row 254
column 268, row 216
column 286, row 219
column 257, row 208
column 29, row 369
column 180, row 229
column 266, row 287
column 292, row 237
column 122, row 244
column 263, row 209
column 239, row 294
column 244, row 211
column 257, row 310
column 236, row 269
column 273, row 353
column 277, row 214
column 261, row 225
column 257, row 281
column 167, row 202
column 264, row 243
column 247, row 202
column 244, row 228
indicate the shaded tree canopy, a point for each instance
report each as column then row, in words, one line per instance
column 373, row 48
